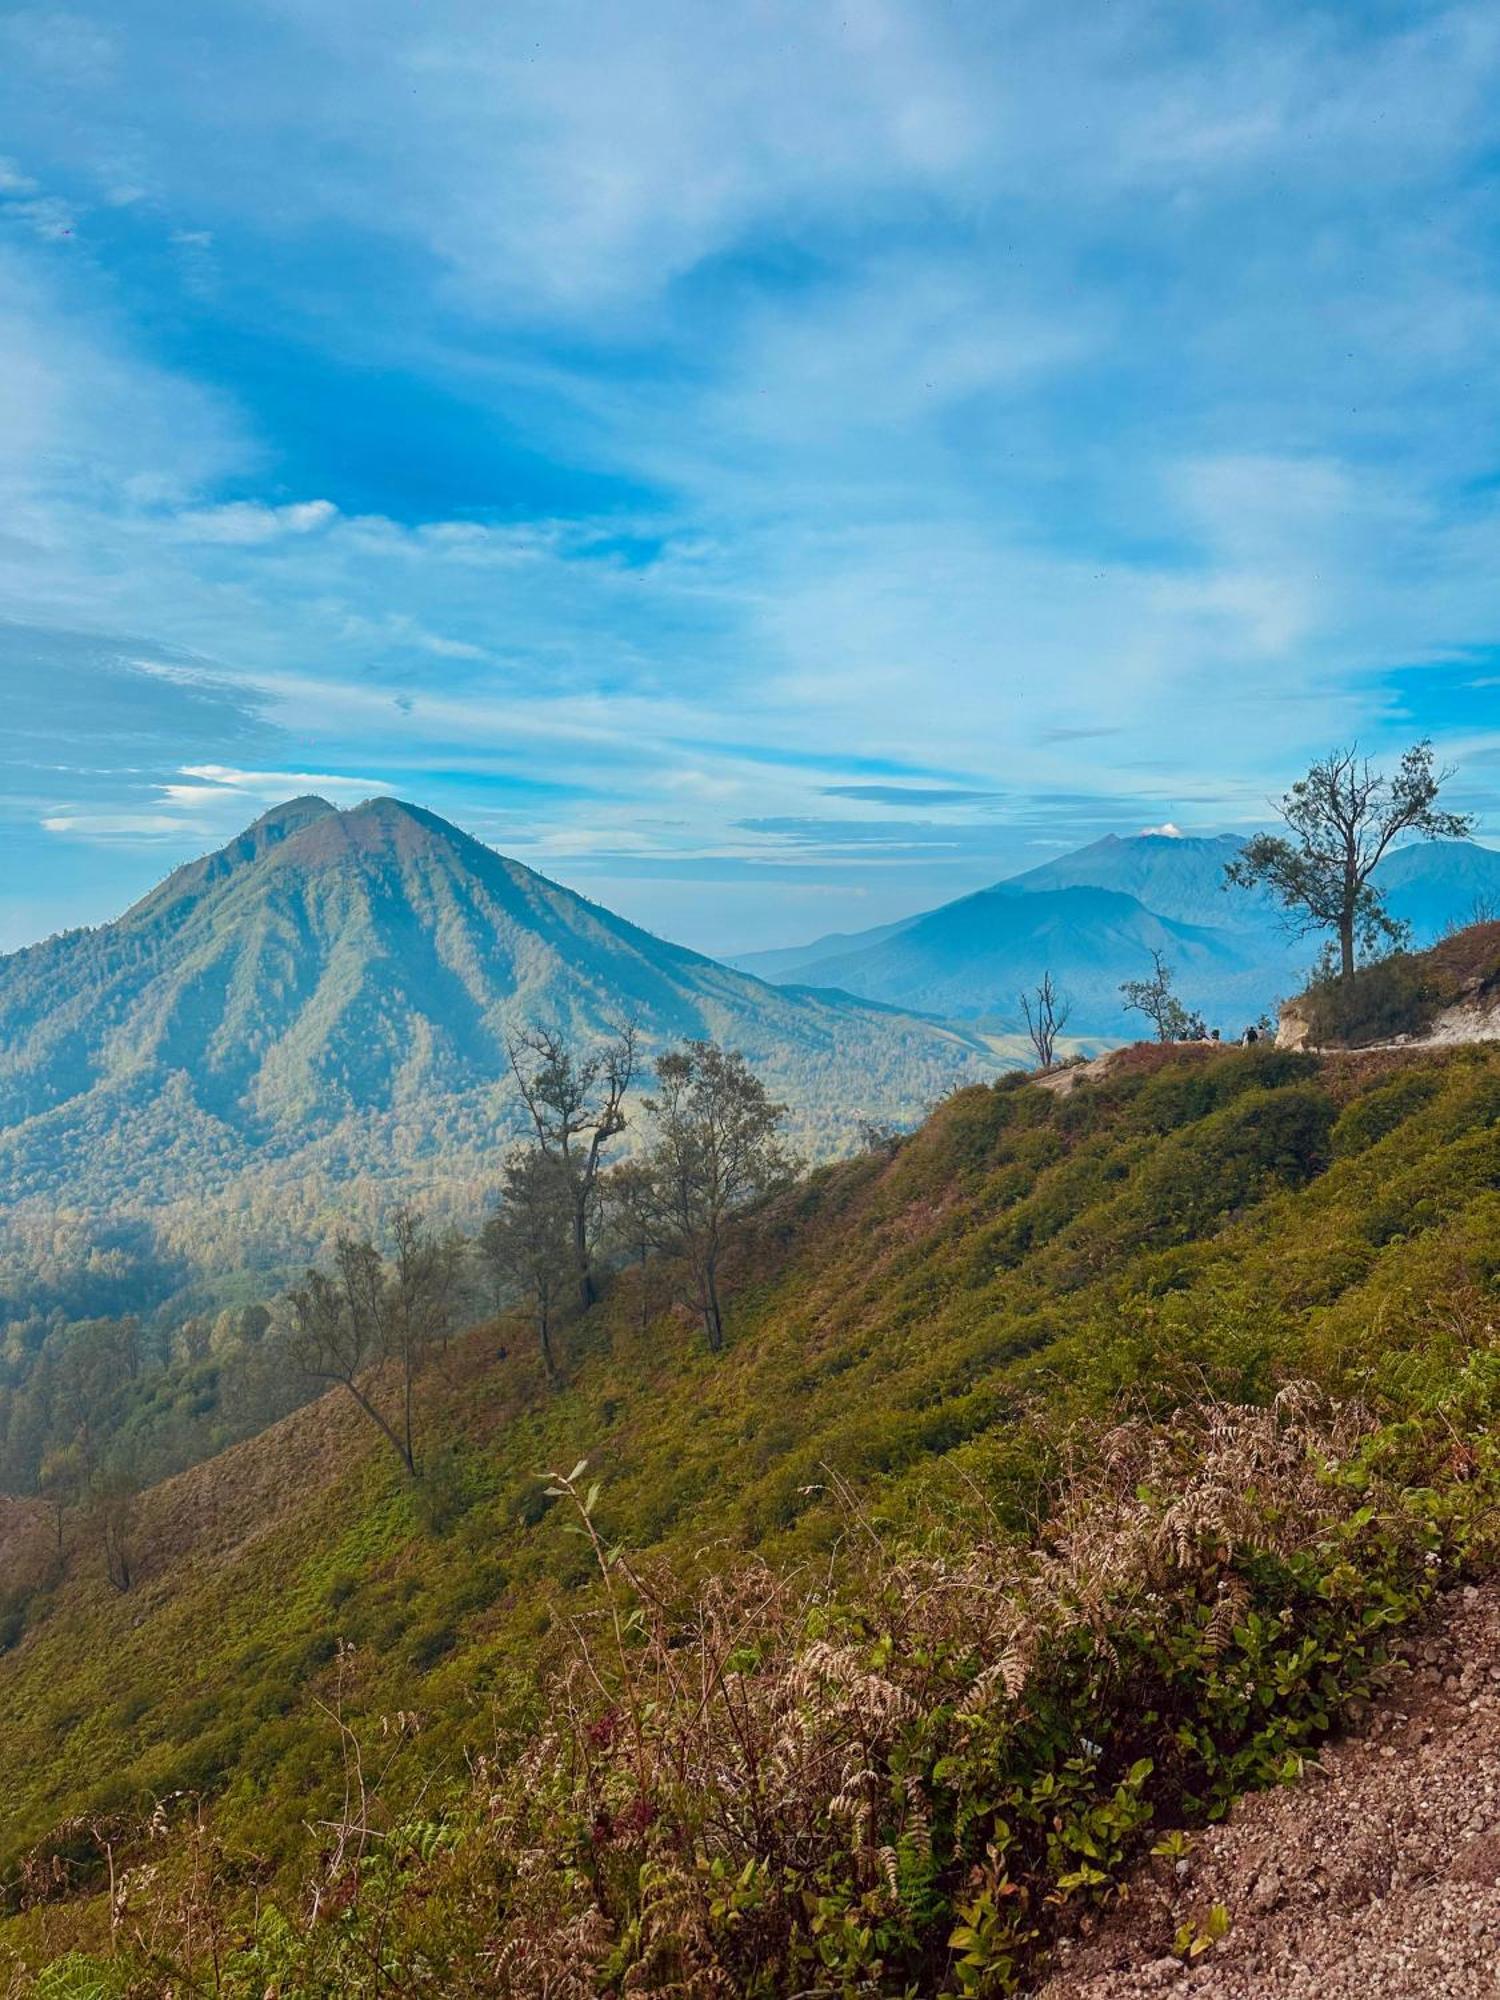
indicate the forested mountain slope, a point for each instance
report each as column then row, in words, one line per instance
column 314, row 1020
column 923, row 1345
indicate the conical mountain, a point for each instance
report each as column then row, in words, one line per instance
column 327, row 999
column 1093, row 917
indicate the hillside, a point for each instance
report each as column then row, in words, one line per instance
column 1232, row 954
column 930, row 1350
column 316, row 1016
column 1447, row 995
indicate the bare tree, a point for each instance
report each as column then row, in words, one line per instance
column 716, row 1147
column 1155, row 999
column 1343, row 817
column 1046, row 1014
column 576, row 1105
column 527, row 1242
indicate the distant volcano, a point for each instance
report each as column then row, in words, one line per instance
column 1092, row 918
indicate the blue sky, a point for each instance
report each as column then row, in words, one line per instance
column 770, row 466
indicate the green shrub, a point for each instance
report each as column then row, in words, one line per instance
column 1367, row 1120
column 429, row 1644
column 1381, row 1001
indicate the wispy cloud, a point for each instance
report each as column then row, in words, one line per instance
column 244, row 523
column 907, row 795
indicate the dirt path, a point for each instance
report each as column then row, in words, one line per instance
column 1375, row 1878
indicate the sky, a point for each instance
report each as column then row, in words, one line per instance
column 771, row 466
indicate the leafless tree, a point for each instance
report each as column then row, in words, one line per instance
column 1342, row 818
column 1046, row 1012
column 576, row 1105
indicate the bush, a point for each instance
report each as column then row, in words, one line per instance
column 1369, row 1118
column 911, row 1779
column 1389, row 998
column 429, row 1644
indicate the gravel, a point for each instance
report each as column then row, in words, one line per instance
column 1376, row 1877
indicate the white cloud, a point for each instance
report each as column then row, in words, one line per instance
column 244, row 523
column 99, row 826
column 217, row 779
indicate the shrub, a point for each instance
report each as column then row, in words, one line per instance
column 1389, row 998
column 910, row 1776
column 1367, row 1120
column 429, row 1644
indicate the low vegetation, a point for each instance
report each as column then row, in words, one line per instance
column 1400, row 996
column 1066, row 1470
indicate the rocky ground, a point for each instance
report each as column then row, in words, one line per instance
column 1375, row 1878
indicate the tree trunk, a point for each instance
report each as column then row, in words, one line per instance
column 409, row 1450
column 1346, row 946
column 586, row 1292
column 544, row 1340
column 713, row 1317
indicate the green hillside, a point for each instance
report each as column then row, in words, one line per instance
column 915, row 1424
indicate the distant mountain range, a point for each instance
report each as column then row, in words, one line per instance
column 315, row 1018
column 1092, row 918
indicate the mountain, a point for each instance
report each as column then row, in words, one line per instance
column 324, row 1003
column 788, row 962
column 1441, row 885
column 973, row 958
column 1179, row 876
column 1434, row 885
column 1093, row 917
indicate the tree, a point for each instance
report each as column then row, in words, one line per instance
column 1046, row 1014
column 527, row 1243
column 715, row 1148
column 576, row 1105
column 1155, row 999
column 629, row 1203
column 60, row 1482
column 1343, row 817
column 112, row 1498
column 345, row 1323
